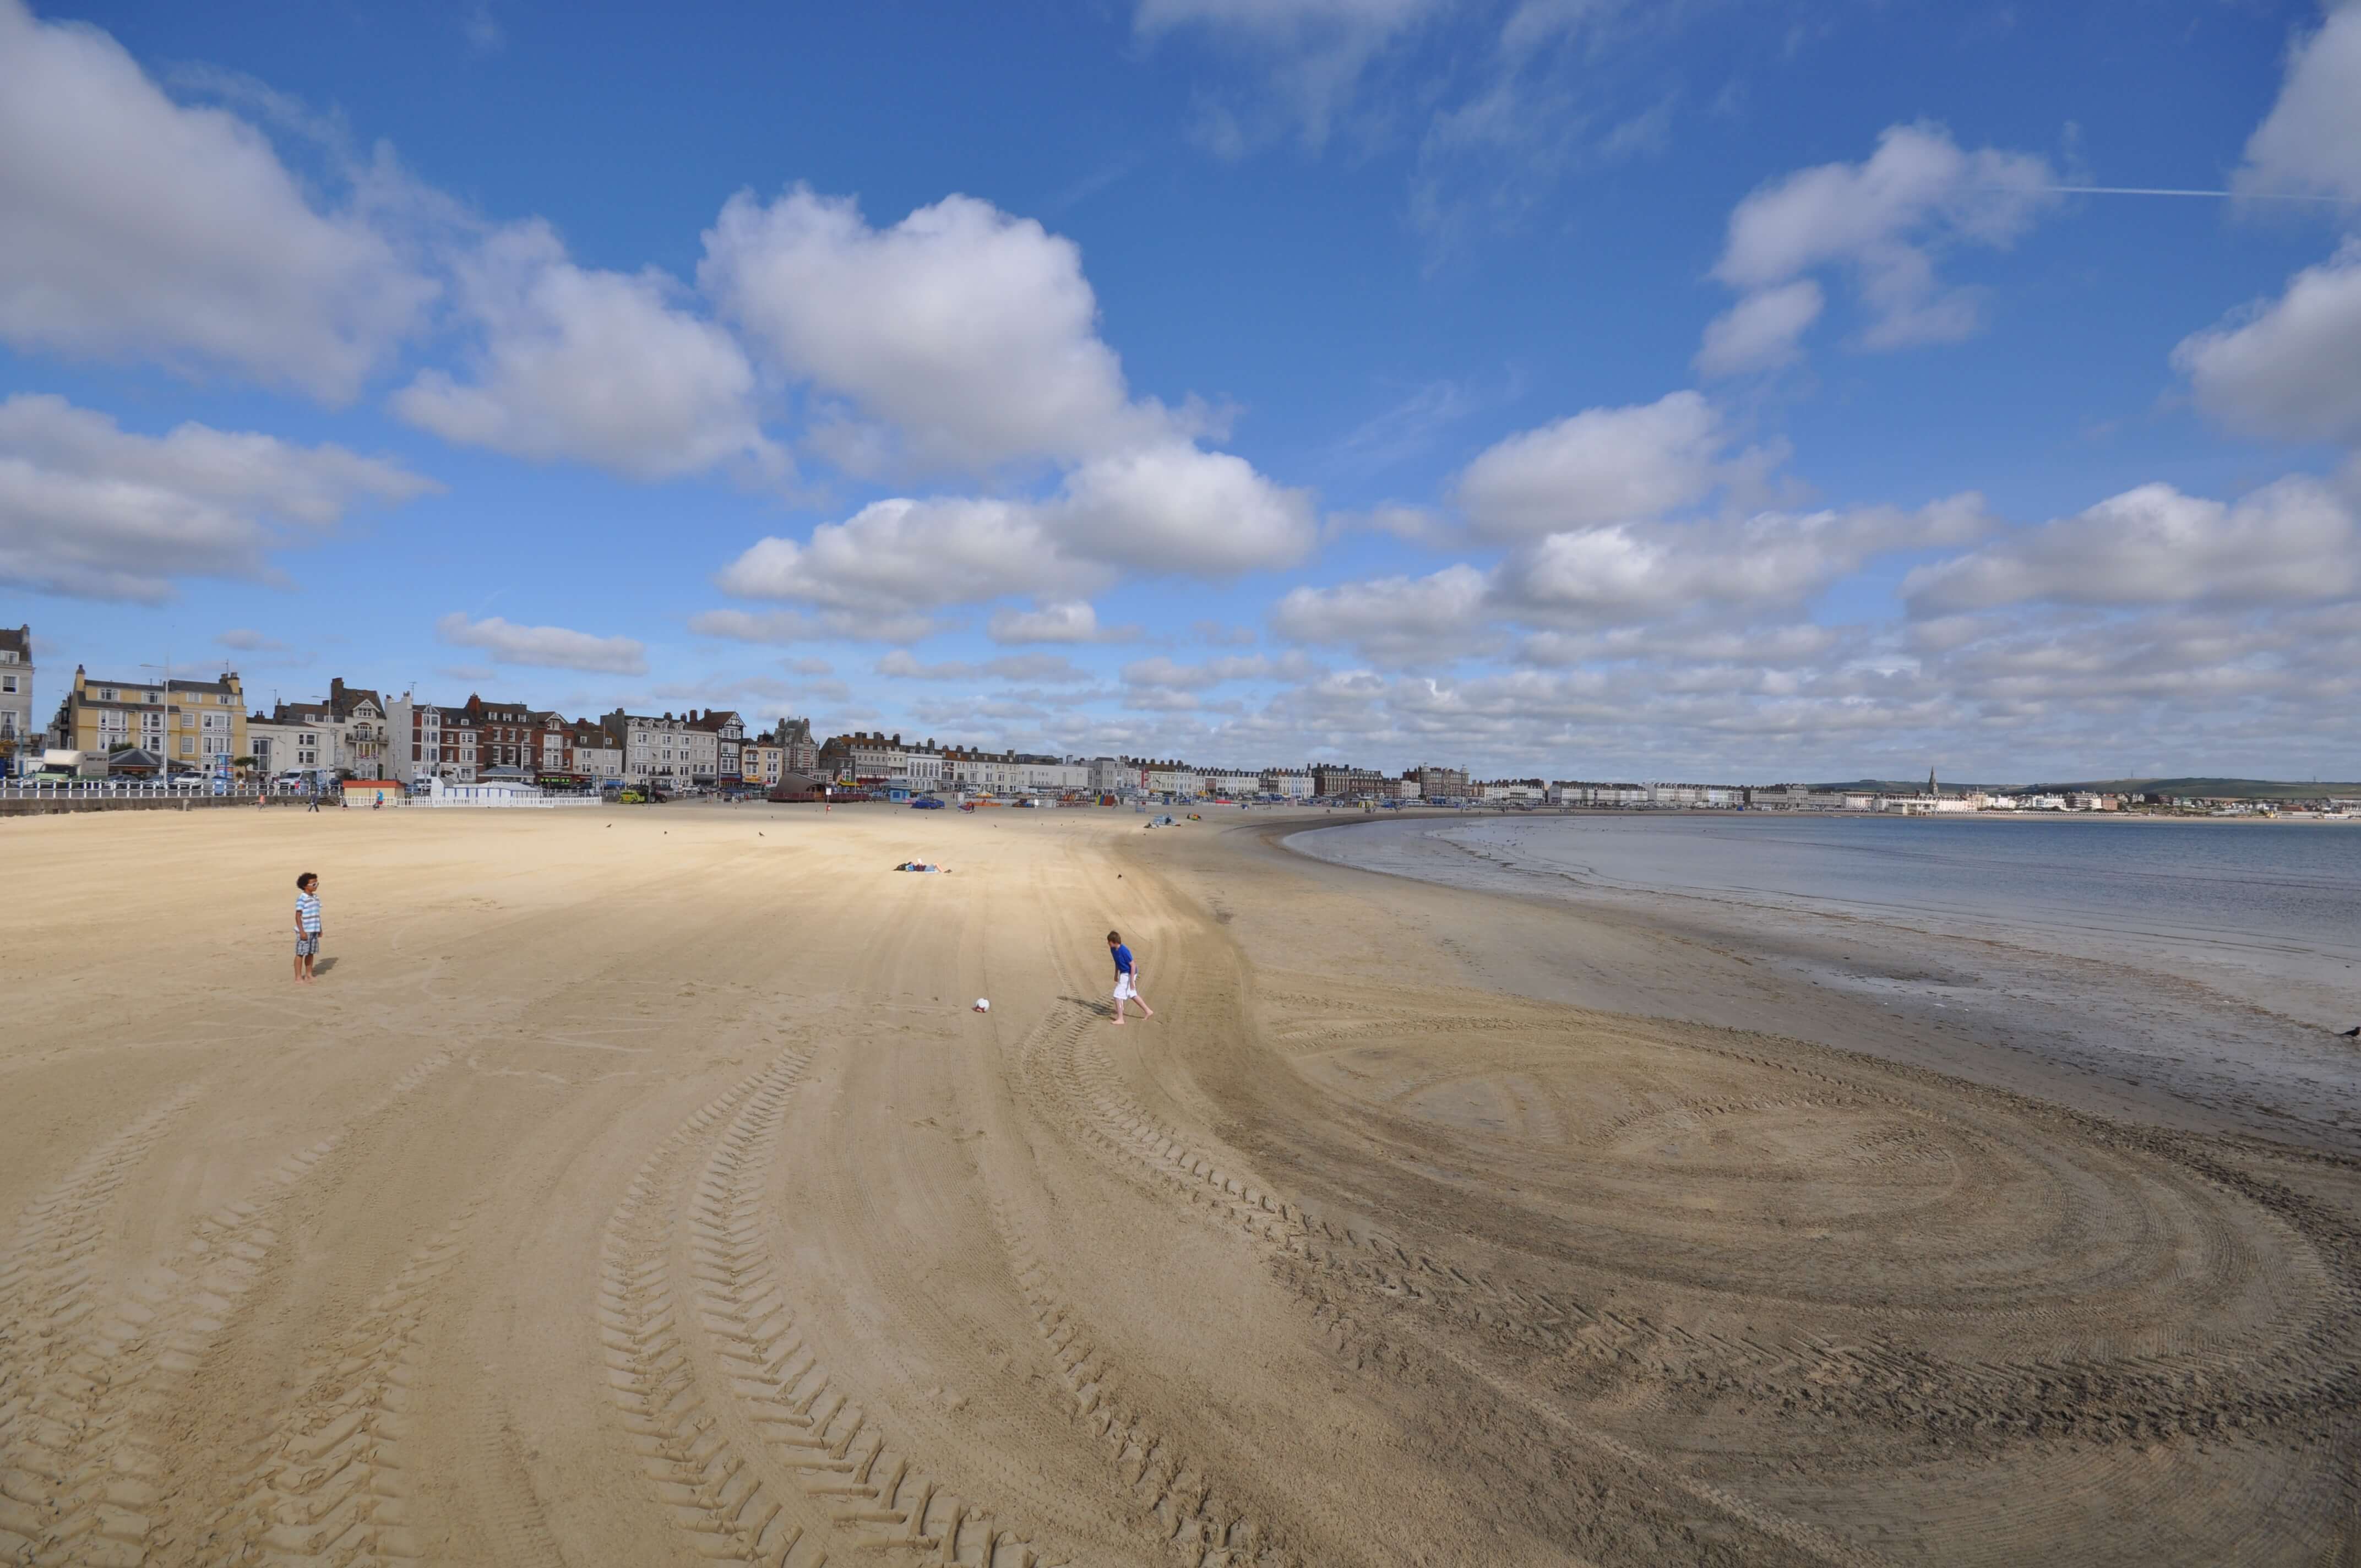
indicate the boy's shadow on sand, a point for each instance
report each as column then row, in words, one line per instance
column 321, row 966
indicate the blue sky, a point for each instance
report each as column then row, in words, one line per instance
column 1574, row 387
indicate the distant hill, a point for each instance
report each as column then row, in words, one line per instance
column 2243, row 789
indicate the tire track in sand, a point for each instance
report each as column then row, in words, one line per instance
column 1055, row 1059
column 804, row 1428
column 330, row 1483
column 82, row 1445
column 46, row 1282
column 1204, row 1530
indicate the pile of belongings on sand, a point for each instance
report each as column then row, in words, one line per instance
column 921, row 866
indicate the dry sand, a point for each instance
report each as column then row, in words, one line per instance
column 647, row 1193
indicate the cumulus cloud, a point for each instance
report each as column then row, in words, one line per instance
column 245, row 640
column 549, row 647
column 1883, row 221
column 2311, row 141
column 1631, row 572
column 1390, row 619
column 1061, row 621
column 138, row 227
column 595, row 366
column 2289, row 367
column 90, row 511
column 2288, row 542
column 1762, row 331
column 901, row 553
column 1603, row 464
column 964, row 338
column 1171, row 509
column 1638, row 575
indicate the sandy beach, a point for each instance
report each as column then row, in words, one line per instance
column 639, row 1187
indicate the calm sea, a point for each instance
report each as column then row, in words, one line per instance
column 2268, row 899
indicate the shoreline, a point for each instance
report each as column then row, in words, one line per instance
column 2116, row 1037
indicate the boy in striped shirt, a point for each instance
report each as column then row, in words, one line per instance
column 307, row 925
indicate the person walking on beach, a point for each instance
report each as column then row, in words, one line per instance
column 1126, row 978
column 307, row 925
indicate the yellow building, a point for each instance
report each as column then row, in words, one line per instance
column 205, row 725
column 761, row 763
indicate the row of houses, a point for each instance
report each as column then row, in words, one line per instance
column 174, row 725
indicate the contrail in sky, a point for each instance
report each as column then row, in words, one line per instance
column 2152, row 191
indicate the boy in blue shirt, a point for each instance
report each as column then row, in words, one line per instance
column 307, row 926
column 1126, row 978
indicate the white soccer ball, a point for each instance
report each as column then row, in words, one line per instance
column 981, row 1005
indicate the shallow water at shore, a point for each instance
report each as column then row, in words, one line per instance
column 2217, row 955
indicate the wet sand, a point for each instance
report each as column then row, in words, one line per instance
column 648, row 1193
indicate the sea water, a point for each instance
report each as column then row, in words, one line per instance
column 2257, row 905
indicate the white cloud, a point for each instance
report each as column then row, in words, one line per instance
column 138, row 228
column 972, row 335
column 549, row 647
column 245, row 640
column 1883, row 220
column 1061, row 620
column 1166, row 508
column 2310, row 142
column 2289, row 543
column 1173, row 508
column 1173, row 675
column 2290, row 368
column 808, row 666
column 591, row 366
column 1762, row 331
column 1603, row 464
column 900, row 555
column 90, row 511
column 1629, row 573
column 1393, row 619
column 1051, row 669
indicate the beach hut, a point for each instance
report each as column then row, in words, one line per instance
column 364, row 793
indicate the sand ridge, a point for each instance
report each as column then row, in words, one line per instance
column 647, row 1193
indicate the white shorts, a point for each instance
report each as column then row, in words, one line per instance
column 1126, row 988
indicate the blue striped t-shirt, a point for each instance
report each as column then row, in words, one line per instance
column 307, row 911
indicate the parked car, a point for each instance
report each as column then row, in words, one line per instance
column 926, row 803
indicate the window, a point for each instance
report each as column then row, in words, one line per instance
column 106, row 694
column 7, row 682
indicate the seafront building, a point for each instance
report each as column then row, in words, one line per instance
column 351, row 730
column 204, row 726
column 18, row 741
column 664, row 751
column 278, row 748
column 196, row 726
